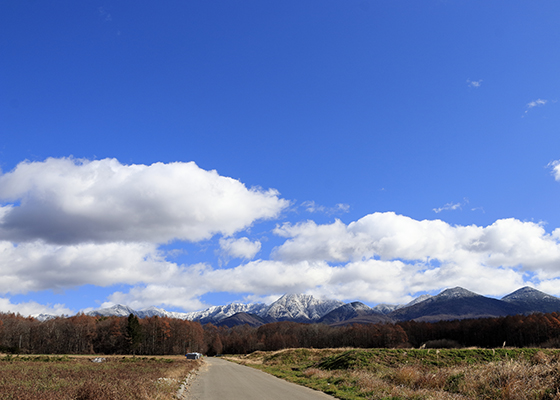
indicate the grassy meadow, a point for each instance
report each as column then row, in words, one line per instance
column 353, row 374
column 78, row 378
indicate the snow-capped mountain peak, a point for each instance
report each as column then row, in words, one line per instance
column 44, row 317
column 528, row 293
column 118, row 310
column 301, row 307
column 455, row 293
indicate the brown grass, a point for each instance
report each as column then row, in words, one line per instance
column 56, row 378
column 531, row 375
column 513, row 380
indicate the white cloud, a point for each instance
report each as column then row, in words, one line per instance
column 38, row 266
column 240, row 248
column 266, row 299
column 68, row 201
column 507, row 242
column 475, row 84
column 141, row 297
column 535, row 103
column 33, row 308
column 493, row 258
column 312, row 207
column 448, row 207
column 555, row 165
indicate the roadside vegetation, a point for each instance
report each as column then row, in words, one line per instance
column 352, row 374
column 78, row 378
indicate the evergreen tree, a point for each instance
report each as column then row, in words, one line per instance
column 133, row 333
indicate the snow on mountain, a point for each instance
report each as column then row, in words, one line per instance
column 456, row 293
column 387, row 308
column 532, row 300
column 300, row 307
column 449, row 304
column 117, row 310
column 159, row 312
column 297, row 307
column 417, row 300
column 218, row 313
column 528, row 294
column 212, row 314
column 44, row 317
column 290, row 306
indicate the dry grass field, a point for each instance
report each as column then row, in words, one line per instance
column 78, row 378
column 516, row 374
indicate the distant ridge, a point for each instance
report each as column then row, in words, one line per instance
column 290, row 307
column 453, row 303
column 456, row 303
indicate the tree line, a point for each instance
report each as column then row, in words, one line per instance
column 82, row 334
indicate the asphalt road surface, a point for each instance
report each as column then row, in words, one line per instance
column 223, row 380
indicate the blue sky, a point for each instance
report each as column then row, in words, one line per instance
column 188, row 154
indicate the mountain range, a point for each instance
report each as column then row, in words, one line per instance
column 455, row 303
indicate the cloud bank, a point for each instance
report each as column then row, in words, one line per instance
column 65, row 223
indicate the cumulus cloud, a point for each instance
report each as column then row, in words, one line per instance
column 38, row 266
column 506, row 243
column 555, row 166
column 240, row 248
column 438, row 252
column 68, row 201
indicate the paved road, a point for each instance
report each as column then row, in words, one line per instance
column 223, row 380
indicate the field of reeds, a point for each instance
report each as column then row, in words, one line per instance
column 78, row 378
column 353, row 374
